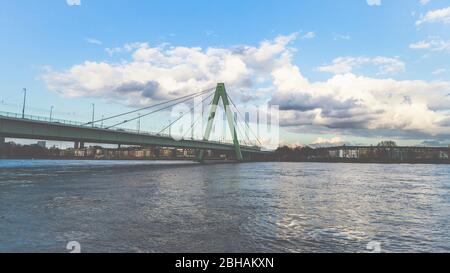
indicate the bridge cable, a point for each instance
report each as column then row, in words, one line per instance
column 192, row 109
column 220, row 106
column 241, row 134
column 148, row 107
column 156, row 111
column 195, row 122
column 246, row 123
column 232, row 102
column 242, row 131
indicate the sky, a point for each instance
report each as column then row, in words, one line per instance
column 342, row 72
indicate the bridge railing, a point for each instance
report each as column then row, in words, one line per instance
column 39, row 118
column 84, row 125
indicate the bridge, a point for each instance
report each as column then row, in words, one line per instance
column 32, row 127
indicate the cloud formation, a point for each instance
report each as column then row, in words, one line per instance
column 435, row 16
column 343, row 65
column 173, row 71
column 93, row 41
column 73, row 2
column 309, row 35
column 328, row 142
column 346, row 102
column 355, row 102
column 374, row 2
column 432, row 44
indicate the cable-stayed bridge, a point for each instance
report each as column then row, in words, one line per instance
column 242, row 148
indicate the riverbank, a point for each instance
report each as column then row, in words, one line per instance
column 367, row 154
column 356, row 161
column 347, row 161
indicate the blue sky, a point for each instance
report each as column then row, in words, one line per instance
column 406, row 41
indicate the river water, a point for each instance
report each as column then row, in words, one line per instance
column 136, row 206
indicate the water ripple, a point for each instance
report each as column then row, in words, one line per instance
column 258, row 207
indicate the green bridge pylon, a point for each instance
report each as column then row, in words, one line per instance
column 221, row 92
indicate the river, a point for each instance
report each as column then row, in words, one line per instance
column 138, row 206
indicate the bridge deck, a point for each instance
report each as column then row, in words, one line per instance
column 28, row 128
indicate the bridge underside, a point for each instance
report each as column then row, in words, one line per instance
column 31, row 129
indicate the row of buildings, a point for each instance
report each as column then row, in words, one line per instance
column 384, row 154
column 129, row 153
column 366, row 154
column 378, row 154
column 39, row 150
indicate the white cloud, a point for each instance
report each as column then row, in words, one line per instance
column 345, row 102
column 435, row 16
column 420, row 45
column 343, row 65
column 424, row 2
column 328, row 141
column 309, row 35
column 323, row 142
column 341, row 37
column 211, row 33
column 432, row 44
column 163, row 72
column 388, row 65
column 374, row 2
column 73, row 2
column 439, row 71
column 127, row 48
column 350, row 102
column 94, row 41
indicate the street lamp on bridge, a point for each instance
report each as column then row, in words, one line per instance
column 24, row 102
column 93, row 113
column 51, row 112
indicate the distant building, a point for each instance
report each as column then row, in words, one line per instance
column 42, row 144
column 149, row 153
column 167, row 152
column 67, row 153
column 186, row 153
column 79, row 153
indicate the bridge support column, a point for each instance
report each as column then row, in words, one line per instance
column 221, row 93
column 81, row 145
column 2, row 141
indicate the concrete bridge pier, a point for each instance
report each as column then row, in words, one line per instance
column 78, row 145
column 2, row 141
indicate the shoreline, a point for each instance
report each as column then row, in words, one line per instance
column 212, row 161
column 423, row 162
